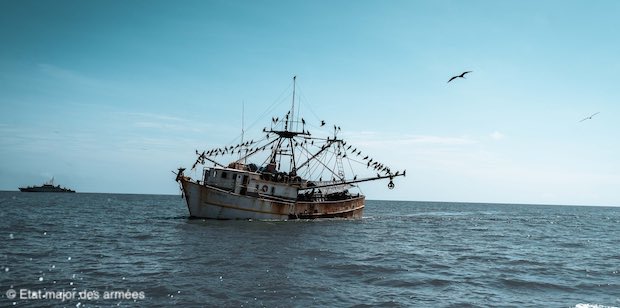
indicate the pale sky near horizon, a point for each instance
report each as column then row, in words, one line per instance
column 111, row 96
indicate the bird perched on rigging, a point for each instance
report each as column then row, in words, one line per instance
column 589, row 118
column 322, row 123
column 459, row 76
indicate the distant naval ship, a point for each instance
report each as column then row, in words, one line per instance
column 47, row 187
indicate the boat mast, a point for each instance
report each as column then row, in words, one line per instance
column 293, row 106
column 242, row 128
column 293, row 167
column 286, row 138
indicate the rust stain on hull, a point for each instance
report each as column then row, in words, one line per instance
column 350, row 208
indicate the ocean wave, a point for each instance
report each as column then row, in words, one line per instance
column 409, row 254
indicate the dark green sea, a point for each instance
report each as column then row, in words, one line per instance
column 100, row 250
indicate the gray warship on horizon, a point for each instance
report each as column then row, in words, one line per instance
column 47, row 187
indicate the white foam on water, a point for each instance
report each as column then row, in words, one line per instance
column 593, row 306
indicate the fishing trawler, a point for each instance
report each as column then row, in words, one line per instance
column 47, row 187
column 299, row 176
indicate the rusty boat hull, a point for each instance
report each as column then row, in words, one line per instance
column 205, row 201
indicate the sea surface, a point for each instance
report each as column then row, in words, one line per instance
column 100, row 250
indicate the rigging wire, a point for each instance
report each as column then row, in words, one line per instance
column 301, row 94
column 313, row 166
column 327, row 161
column 277, row 102
column 281, row 98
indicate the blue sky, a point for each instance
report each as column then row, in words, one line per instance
column 110, row 96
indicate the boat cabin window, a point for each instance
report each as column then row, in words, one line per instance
column 273, row 189
column 224, row 175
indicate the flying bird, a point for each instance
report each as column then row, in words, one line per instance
column 459, row 76
column 322, row 123
column 589, row 118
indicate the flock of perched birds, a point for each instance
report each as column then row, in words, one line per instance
column 462, row 75
column 250, row 147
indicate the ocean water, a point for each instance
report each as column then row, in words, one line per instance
column 100, row 250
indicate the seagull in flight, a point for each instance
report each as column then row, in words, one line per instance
column 589, row 118
column 459, row 76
